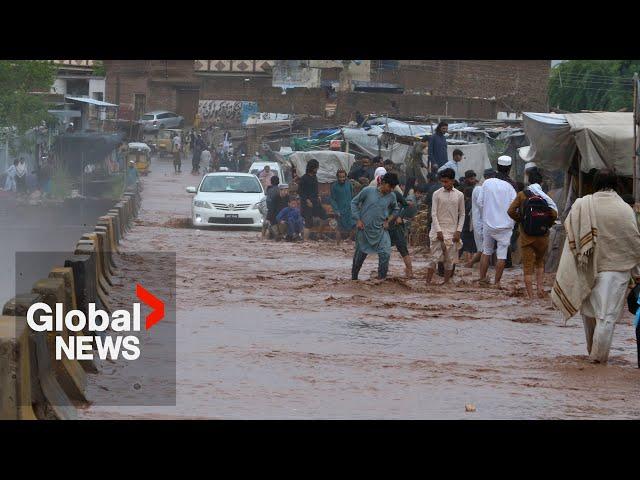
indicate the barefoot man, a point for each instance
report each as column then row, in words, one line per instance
column 370, row 208
column 447, row 220
column 494, row 200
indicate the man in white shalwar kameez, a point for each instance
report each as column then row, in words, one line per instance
column 601, row 252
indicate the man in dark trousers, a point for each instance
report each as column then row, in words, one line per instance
column 197, row 146
column 310, row 205
column 438, row 145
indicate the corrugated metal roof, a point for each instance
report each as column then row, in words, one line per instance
column 91, row 101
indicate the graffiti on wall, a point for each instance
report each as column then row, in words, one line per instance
column 226, row 112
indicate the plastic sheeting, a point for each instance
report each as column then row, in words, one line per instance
column 604, row 139
column 367, row 141
column 475, row 158
column 330, row 162
column 398, row 127
column 314, row 143
column 552, row 145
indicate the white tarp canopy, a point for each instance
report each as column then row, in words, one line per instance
column 604, row 139
column 91, row 101
column 330, row 161
column 367, row 141
column 398, row 127
column 475, row 158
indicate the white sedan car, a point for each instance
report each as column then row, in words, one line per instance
column 228, row 199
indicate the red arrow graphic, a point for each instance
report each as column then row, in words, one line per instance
column 154, row 302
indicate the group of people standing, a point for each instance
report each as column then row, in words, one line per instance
column 17, row 178
column 203, row 154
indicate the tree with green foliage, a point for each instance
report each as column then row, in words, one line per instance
column 21, row 107
column 604, row 85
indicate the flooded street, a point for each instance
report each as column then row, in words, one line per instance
column 270, row 330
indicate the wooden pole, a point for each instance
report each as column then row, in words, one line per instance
column 579, row 176
column 635, row 137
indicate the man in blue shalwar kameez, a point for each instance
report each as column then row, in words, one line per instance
column 371, row 209
column 341, row 196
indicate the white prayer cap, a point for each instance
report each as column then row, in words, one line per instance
column 504, row 160
column 529, row 165
column 380, row 171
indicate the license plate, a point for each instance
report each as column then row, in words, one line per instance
column 231, row 216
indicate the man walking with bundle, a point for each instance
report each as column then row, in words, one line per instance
column 601, row 252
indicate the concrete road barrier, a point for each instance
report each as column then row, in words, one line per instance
column 113, row 266
column 134, row 201
column 87, row 248
column 18, row 305
column 124, row 221
column 103, row 237
column 66, row 274
column 16, row 370
column 99, row 241
column 109, row 222
column 33, row 384
column 86, row 243
column 70, row 373
column 117, row 224
column 83, row 267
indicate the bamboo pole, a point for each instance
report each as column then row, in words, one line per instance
column 635, row 137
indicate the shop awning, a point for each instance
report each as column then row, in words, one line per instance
column 91, row 101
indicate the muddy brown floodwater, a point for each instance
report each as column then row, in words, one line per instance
column 279, row 331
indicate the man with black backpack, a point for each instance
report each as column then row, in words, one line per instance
column 535, row 212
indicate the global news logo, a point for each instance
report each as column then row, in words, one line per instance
column 87, row 340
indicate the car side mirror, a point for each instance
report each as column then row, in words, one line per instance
column 191, row 189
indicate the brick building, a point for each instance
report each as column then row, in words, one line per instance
column 138, row 86
column 453, row 88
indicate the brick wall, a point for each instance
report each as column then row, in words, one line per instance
column 156, row 79
column 259, row 89
column 516, row 84
column 411, row 105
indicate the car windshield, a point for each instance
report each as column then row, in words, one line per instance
column 147, row 117
column 231, row 184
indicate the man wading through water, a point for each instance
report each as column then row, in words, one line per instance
column 447, row 220
column 370, row 208
column 494, row 200
column 601, row 253
column 341, row 196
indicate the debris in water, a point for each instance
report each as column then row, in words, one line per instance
column 136, row 386
column 469, row 407
column 182, row 222
column 527, row 320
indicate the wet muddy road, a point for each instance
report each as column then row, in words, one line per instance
column 278, row 330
